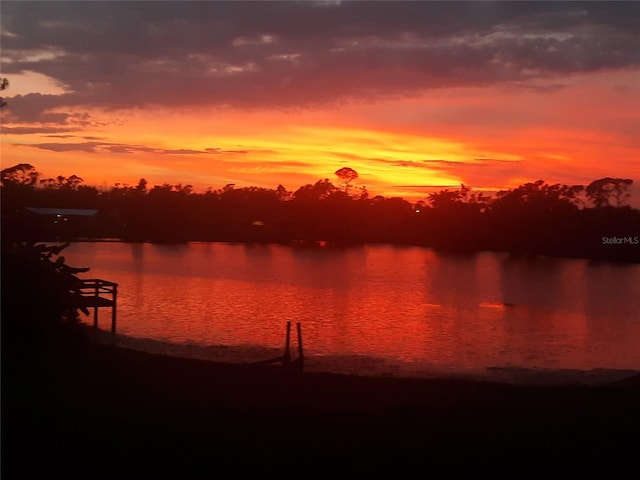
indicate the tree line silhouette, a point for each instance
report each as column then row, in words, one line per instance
column 535, row 218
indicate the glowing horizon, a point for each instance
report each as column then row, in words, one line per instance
column 410, row 105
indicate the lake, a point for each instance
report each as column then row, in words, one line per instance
column 375, row 309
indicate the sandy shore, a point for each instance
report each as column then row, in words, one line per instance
column 107, row 412
column 363, row 365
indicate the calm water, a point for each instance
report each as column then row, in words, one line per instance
column 372, row 309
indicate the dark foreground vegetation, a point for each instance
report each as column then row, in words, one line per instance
column 72, row 408
column 535, row 218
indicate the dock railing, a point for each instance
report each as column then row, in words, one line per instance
column 95, row 293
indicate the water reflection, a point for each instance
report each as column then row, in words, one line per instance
column 609, row 320
column 446, row 276
column 532, row 282
column 407, row 304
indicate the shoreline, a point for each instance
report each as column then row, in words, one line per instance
column 101, row 411
column 367, row 366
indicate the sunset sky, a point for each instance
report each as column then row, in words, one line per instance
column 414, row 96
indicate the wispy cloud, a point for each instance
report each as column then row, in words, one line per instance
column 101, row 147
column 36, row 130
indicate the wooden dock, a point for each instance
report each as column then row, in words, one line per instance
column 285, row 360
column 97, row 293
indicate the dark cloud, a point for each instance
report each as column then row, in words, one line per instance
column 88, row 147
column 36, row 130
column 446, row 165
column 475, row 163
column 426, row 186
column 219, row 150
column 292, row 54
column 38, row 108
column 34, row 107
column 96, row 147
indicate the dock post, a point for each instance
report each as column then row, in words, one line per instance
column 113, row 309
column 287, row 354
column 300, row 349
column 96, row 293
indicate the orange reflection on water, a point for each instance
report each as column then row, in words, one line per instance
column 412, row 306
